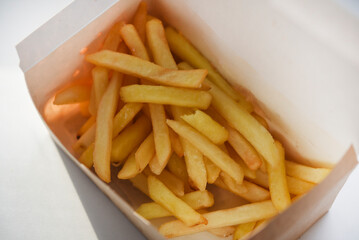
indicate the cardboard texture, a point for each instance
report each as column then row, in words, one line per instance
column 271, row 53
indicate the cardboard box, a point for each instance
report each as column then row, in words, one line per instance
column 254, row 47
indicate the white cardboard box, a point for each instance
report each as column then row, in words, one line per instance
column 270, row 48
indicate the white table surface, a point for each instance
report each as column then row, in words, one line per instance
column 43, row 195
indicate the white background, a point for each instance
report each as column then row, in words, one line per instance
column 43, row 195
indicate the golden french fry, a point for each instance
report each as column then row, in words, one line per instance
column 243, row 230
column 207, row 126
column 194, row 159
column 222, row 231
column 306, row 173
column 104, row 123
column 130, row 138
column 137, row 67
column 84, row 108
column 278, row 183
column 91, row 121
column 196, row 200
column 295, row 186
column 161, row 136
column 100, row 82
column 166, row 95
column 140, row 19
column 175, row 143
column 86, row 139
column 140, row 182
column 163, row 196
column 245, row 124
column 209, row 149
column 175, row 184
column 125, row 116
column 244, row 149
column 86, row 157
column 113, row 38
column 177, row 166
column 254, row 192
column 212, row 170
column 158, row 44
column 134, row 42
column 73, row 94
column 129, row 169
column 145, row 152
column 222, row 218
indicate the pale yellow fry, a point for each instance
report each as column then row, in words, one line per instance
column 175, row 184
column 100, row 82
column 134, row 42
column 295, row 186
column 196, row 200
column 194, row 159
column 228, row 217
column 175, row 143
column 86, row 157
column 113, row 38
column 73, row 94
column 161, row 135
column 166, row 95
column 129, row 169
column 245, row 124
column 177, row 166
column 86, row 139
column 104, row 123
column 244, row 149
column 232, row 185
column 306, row 173
column 243, row 229
column 163, row 196
column 278, row 183
column 261, row 120
column 130, row 138
column 125, row 116
column 139, row 20
column 254, row 192
column 212, row 170
column 209, row 149
column 207, row 126
column 137, row 67
column 140, row 182
column 158, row 45
column 91, row 121
column 145, row 152
column 222, row 231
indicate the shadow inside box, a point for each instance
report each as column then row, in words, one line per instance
column 106, row 219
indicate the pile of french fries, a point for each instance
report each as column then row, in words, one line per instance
column 175, row 127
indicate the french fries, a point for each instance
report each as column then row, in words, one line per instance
column 222, row 218
column 135, row 66
column 175, row 131
column 207, row 126
column 196, row 200
column 129, row 139
column 104, row 123
column 163, row 196
column 209, row 149
column 165, row 95
column 306, row 173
